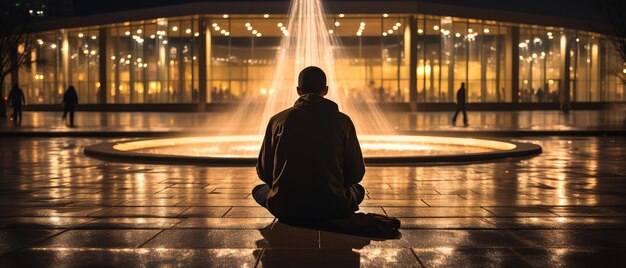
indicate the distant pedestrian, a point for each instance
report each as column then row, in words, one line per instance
column 16, row 99
column 70, row 101
column 461, row 101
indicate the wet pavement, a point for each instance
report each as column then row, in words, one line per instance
column 565, row 207
column 489, row 122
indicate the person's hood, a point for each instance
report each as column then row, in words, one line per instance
column 314, row 102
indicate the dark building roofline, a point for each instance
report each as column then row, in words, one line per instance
column 347, row 7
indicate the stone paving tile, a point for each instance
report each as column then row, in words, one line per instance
column 484, row 202
column 14, row 239
column 71, row 257
column 566, row 257
column 202, row 238
column 225, row 223
column 560, row 223
column 212, row 196
column 432, row 238
column 43, row 222
column 131, row 223
column 470, row 257
column 231, row 191
column 99, row 239
column 446, row 223
column 376, row 191
column 588, row 211
column 140, row 212
column 520, row 211
column 248, row 212
column 150, row 203
column 215, row 212
column 218, row 203
column 338, row 258
column 393, row 203
column 437, row 212
column 56, row 212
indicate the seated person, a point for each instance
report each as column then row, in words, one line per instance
column 310, row 160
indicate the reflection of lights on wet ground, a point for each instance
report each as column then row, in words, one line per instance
column 372, row 145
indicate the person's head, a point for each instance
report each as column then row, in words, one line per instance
column 71, row 88
column 312, row 80
column 463, row 84
column 15, row 86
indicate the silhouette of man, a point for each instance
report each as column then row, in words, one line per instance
column 460, row 105
column 310, row 159
column 70, row 101
column 16, row 99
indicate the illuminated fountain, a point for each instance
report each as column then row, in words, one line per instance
column 307, row 41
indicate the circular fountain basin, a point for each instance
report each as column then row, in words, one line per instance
column 243, row 150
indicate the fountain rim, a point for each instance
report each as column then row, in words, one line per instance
column 115, row 151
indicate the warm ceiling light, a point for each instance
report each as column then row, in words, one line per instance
column 81, row 35
column 175, row 28
column 486, row 30
column 225, row 16
column 337, row 23
column 385, row 15
column 266, row 16
column 342, row 15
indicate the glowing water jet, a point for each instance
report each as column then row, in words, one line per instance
column 308, row 43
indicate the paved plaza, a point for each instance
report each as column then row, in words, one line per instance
column 565, row 207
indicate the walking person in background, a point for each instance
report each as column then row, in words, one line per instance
column 460, row 105
column 16, row 99
column 70, row 101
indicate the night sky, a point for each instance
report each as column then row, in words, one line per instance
column 587, row 10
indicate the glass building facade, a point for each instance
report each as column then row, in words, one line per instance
column 408, row 58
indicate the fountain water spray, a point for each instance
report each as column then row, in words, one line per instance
column 307, row 42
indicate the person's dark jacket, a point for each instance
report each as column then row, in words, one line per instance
column 309, row 157
column 70, row 99
column 16, row 97
column 460, row 97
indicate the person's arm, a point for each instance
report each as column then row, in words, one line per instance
column 23, row 99
column 265, row 162
column 353, row 165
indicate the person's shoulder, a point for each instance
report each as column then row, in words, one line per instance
column 344, row 118
column 282, row 115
